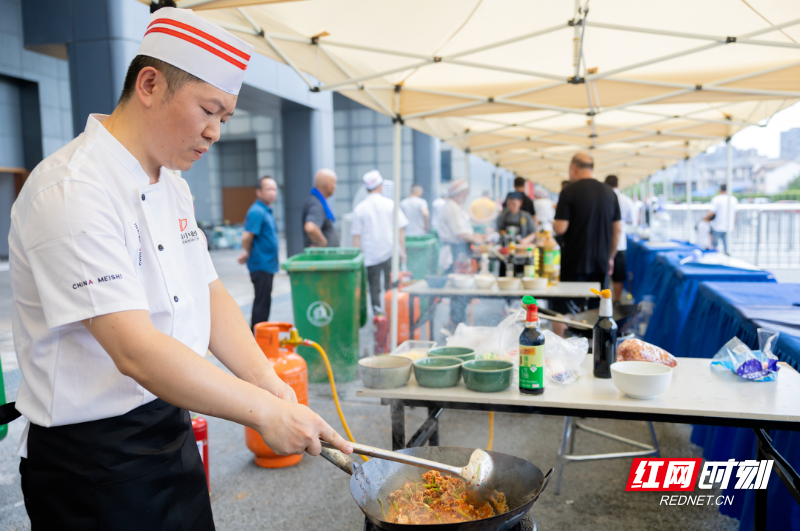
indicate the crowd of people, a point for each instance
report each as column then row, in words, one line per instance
column 588, row 220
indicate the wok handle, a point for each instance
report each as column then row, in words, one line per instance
column 545, row 481
column 339, row 459
column 401, row 458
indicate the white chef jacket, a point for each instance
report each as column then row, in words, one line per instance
column 453, row 221
column 91, row 236
column 373, row 220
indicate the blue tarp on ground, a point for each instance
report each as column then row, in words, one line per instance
column 721, row 311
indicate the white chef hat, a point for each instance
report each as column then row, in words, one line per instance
column 373, row 179
column 186, row 41
column 457, row 186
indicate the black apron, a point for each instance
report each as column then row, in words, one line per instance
column 138, row 471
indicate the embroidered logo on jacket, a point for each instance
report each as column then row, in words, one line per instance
column 89, row 282
column 187, row 236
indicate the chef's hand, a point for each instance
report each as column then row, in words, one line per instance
column 611, row 266
column 281, row 389
column 294, row 429
column 243, row 257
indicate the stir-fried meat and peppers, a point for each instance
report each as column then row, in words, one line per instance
column 437, row 499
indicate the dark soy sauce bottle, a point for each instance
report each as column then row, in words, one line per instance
column 531, row 351
column 604, row 343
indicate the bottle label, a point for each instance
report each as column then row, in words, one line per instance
column 529, row 271
column 531, row 367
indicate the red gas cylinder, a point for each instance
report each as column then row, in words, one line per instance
column 292, row 369
column 380, row 325
column 200, row 428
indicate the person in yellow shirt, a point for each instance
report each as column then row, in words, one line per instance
column 483, row 210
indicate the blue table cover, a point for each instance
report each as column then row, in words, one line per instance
column 719, row 313
column 640, row 257
column 676, row 290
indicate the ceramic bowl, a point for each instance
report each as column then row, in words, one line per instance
column 436, row 281
column 485, row 281
column 384, row 372
column 459, row 281
column 462, row 353
column 509, row 284
column 441, row 371
column 641, row 379
column 535, row 283
column 487, row 376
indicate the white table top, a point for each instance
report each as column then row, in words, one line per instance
column 560, row 290
column 696, row 390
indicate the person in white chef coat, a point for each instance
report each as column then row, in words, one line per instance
column 116, row 301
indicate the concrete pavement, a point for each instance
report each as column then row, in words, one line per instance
column 314, row 495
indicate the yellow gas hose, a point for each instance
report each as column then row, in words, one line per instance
column 491, row 431
column 309, row 343
column 314, row 345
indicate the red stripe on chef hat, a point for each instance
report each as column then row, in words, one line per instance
column 195, row 45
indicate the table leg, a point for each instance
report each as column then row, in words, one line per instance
column 434, row 439
column 411, row 324
column 398, row 413
column 760, row 509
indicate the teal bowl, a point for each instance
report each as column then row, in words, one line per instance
column 487, row 376
column 441, row 371
column 462, row 353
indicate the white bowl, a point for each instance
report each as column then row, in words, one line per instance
column 509, row 284
column 484, row 281
column 641, row 379
column 535, row 283
column 459, row 281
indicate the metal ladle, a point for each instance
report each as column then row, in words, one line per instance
column 478, row 474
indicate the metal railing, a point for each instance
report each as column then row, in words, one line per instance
column 766, row 235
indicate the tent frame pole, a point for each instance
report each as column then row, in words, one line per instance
column 731, row 217
column 688, row 199
column 397, row 164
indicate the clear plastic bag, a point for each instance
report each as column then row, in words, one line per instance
column 563, row 357
column 638, row 350
column 490, row 342
column 758, row 366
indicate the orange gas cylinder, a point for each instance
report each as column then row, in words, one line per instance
column 292, row 369
column 402, row 315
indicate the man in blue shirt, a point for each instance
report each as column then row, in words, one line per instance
column 260, row 247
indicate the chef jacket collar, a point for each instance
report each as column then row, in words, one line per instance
column 95, row 130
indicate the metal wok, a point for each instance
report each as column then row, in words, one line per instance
column 520, row 481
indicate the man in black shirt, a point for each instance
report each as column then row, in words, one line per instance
column 527, row 202
column 588, row 218
column 318, row 217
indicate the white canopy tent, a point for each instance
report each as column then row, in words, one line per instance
column 526, row 83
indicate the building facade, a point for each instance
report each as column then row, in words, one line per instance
column 61, row 60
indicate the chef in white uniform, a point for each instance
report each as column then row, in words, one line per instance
column 116, row 302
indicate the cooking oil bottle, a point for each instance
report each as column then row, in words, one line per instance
column 531, row 351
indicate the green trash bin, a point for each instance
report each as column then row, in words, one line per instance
column 329, row 296
column 421, row 256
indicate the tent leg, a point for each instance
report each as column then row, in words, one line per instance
column 398, row 138
column 729, row 191
column 688, row 200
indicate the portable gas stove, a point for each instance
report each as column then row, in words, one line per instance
column 526, row 524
